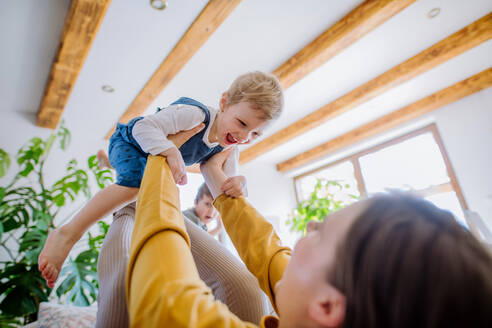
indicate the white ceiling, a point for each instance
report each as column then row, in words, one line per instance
column 259, row 35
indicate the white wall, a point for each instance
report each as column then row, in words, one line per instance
column 466, row 129
column 272, row 194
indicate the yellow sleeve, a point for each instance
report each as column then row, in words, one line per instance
column 256, row 242
column 163, row 285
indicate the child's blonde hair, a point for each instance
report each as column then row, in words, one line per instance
column 261, row 90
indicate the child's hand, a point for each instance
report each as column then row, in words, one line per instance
column 234, row 186
column 176, row 164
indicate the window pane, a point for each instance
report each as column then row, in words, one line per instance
column 187, row 192
column 343, row 173
column 413, row 164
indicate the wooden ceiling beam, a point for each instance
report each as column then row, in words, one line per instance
column 421, row 107
column 195, row 168
column 450, row 47
column 81, row 25
column 360, row 21
column 209, row 19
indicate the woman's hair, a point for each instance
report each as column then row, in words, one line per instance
column 407, row 263
column 261, row 90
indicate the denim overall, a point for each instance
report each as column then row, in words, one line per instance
column 129, row 160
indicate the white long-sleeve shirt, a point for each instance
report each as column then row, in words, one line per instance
column 151, row 132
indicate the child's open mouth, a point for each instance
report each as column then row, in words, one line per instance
column 230, row 139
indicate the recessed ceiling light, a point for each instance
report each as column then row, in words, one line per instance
column 158, row 4
column 107, row 88
column 433, row 12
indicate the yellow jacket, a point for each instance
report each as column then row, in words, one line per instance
column 163, row 286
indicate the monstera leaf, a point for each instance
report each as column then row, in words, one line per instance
column 9, row 321
column 29, row 155
column 4, row 162
column 21, row 281
column 103, row 176
column 33, row 239
column 79, row 276
column 70, row 185
column 64, row 136
column 16, row 207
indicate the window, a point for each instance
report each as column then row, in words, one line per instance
column 342, row 172
column 414, row 162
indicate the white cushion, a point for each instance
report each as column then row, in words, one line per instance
column 57, row 315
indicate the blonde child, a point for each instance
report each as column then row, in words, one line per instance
column 245, row 110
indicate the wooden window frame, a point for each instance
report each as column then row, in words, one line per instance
column 452, row 185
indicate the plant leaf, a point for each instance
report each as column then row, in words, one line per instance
column 47, row 145
column 70, row 185
column 324, row 199
column 32, row 242
column 103, row 177
column 22, row 283
column 4, row 162
column 80, row 279
column 64, row 135
column 29, row 155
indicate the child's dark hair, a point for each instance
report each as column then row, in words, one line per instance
column 202, row 191
column 407, row 263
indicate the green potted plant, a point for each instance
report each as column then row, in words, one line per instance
column 327, row 197
column 28, row 208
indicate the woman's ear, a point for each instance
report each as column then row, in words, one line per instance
column 223, row 101
column 328, row 307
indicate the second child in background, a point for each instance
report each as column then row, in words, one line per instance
column 204, row 212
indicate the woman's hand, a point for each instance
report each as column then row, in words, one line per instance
column 234, row 186
column 174, row 158
column 178, row 139
column 176, row 165
column 182, row 137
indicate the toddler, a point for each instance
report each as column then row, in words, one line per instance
column 252, row 101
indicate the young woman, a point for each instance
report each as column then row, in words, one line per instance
column 387, row 261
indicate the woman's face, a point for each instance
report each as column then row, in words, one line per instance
column 312, row 259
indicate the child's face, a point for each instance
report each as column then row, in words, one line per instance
column 205, row 209
column 305, row 280
column 238, row 124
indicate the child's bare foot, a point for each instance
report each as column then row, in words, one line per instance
column 54, row 253
column 103, row 159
